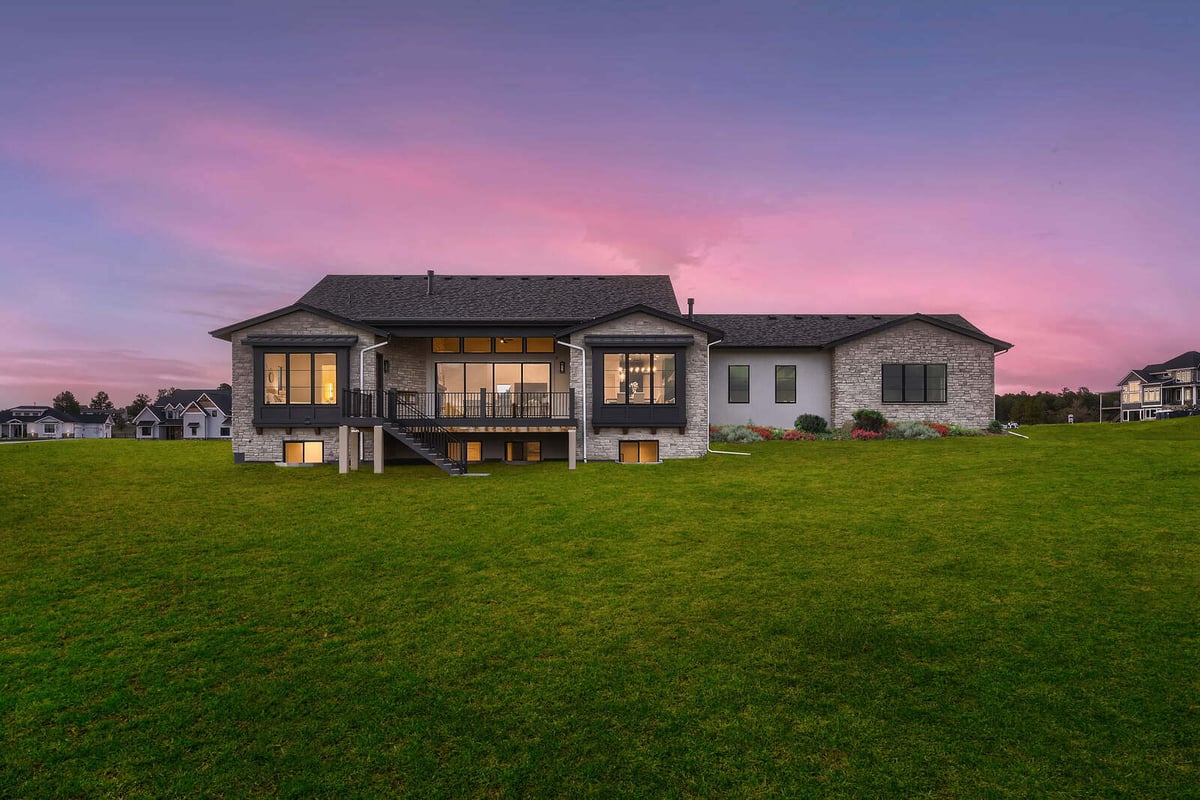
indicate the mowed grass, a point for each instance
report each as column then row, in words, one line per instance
column 954, row 618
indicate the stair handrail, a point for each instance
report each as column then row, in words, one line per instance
column 428, row 428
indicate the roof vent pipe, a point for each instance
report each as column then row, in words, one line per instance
column 428, row 281
column 691, row 302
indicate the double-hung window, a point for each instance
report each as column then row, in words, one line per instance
column 914, row 383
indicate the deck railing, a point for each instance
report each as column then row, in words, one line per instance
column 459, row 407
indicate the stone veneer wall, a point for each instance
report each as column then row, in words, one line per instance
column 407, row 365
column 970, row 375
column 693, row 442
column 268, row 446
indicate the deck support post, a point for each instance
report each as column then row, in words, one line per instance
column 378, row 449
column 343, row 449
column 355, row 447
column 571, row 449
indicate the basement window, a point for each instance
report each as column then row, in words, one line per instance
column 304, row 452
column 639, row 452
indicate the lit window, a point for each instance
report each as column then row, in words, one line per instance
column 522, row 451
column 477, row 344
column 304, row 452
column 299, row 379
column 644, row 452
column 511, row 344
column 539, row 344
column 639, row 379
column 454, row 451
column 446, row 344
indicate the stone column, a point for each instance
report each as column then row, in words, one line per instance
column 571, row 449
column 378, row 441
column 343, row 449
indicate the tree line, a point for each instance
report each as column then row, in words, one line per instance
column 1052, row 407
column 67, row 402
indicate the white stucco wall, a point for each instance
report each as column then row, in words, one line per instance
column 813, row 371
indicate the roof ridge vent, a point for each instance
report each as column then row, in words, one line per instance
column 772, row 316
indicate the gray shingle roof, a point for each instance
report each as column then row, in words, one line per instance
column 819, row 330
column 488, row 298
column 221, row 397
column 1188, row 360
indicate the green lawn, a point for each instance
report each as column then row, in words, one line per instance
column 986, row 617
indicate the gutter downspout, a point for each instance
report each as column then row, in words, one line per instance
column 708, row 405
column 362, row 364
column 583, row 354
column 996, row 397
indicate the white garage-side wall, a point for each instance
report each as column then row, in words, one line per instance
column 813, row 376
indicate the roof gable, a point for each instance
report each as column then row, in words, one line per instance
column 643, row 309
column 228, row 331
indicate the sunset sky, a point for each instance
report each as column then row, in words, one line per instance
column 167, row 168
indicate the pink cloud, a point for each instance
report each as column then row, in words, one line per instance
column 276, row 207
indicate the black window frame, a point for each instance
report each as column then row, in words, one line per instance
column 729, row 384
column 902, row 378
column 795, row 372
column 299, row 414
column 630, row 414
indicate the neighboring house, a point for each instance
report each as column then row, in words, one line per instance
column 45, row 422
column 1158, row 388
column 464, row 368
column 187, row 414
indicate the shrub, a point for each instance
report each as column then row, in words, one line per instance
column 912, row 430
column 859, row 433
column 799, row 436
column 736, row 434
column 870, row 420
column 995, row 427
column 955, row 430
column 811, row 423
column 766, row 434
column 942, row 430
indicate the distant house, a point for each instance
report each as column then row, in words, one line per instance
column 186, row 414
column 460, row 368
column 45, row 422
column 1156, row 389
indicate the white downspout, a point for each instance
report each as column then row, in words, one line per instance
column 583, row 354
column 708, row 409
column 362, row 365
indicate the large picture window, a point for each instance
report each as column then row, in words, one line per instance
column 300, row 378
column 639, row 379
column 785, row 383
column 914, row 383
column 739, row 383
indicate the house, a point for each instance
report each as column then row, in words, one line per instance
column 187, row 414
column 1156, row 389
column 45, row 422
column 454, row 369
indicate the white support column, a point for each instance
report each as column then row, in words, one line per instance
column 355, row 443
column 378, row 449
column 343, row 449
column 571, row 449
